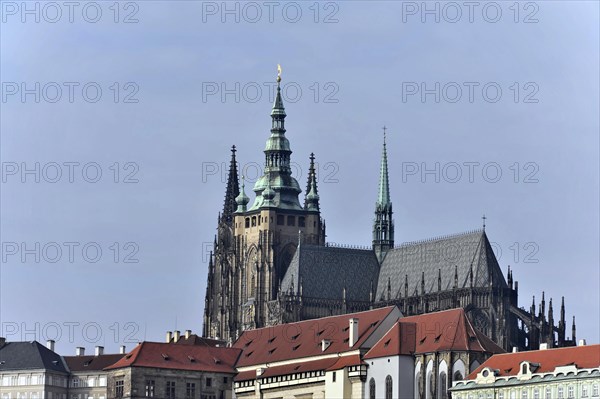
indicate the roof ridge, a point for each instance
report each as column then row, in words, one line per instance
column 345, row 246
column 440, row 238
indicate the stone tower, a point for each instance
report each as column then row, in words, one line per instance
column 383, row 226
column 255, row 246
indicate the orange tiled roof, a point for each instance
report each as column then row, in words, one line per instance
column 448, row 330
column 303, row 339
column 181, row 357
column 508, row 364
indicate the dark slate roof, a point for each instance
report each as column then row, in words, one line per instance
column 324, row 270
column 30, row 356
column 91, row 362
column 458, row 251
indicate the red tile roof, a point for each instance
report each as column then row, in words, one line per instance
column 399, row 340
column 194, row 339
column 91, row 362
column 448, row 330
column 508, row 364
column 332, row 363
column 303, row 339
column 181, row 357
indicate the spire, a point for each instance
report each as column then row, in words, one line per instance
column 242, row 199
column 311, row 199
column 562, row 310
column 232, row 190
column 383, row 197
column 383, row 226
column 277, row 171
column 573, row 332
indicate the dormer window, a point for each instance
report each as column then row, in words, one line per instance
column 524, row 368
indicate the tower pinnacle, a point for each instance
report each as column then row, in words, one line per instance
column 232, row 190
column 383, row 226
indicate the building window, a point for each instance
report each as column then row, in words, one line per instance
column 524, row 368
column 548, row 393
column 501, row 395
column 291, row 221
column 247, row 222
column 443, row 386
column 524, row 394
column 372, row 388
column 119, row 388
column 333, row 377
column 458, row 375
column 190, row 390
column 75, row 382
column 301, row 221
column 280, row 220
column 570, row 391
column 149, row 388
column 561, row 394
column 584, row 391
column 170, row 390
column 253, row 221
column 208, row 382
column 536, row 393
column 388, row 387
column 595, row 390
column 224, row 380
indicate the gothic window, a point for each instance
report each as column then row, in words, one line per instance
column 443, row 385
column 457, row 376
column 247, row 222
column 372, row 388
column 388, row 387
column 253, row 221
column 252, row 286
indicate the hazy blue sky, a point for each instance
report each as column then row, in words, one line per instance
column 189, row 81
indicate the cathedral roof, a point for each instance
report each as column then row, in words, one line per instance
column 436, row 258
column 325, row 271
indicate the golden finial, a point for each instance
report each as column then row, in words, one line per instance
column 278, row 73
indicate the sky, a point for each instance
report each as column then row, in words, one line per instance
column 116, row 121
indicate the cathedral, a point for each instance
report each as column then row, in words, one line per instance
column 271, row 263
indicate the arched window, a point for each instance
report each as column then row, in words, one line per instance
column 457, row 376
column 388, row 387
column 372, row 388
column 443, row 386
column 252, row 287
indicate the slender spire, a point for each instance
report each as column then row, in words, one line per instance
column 311, row 201
column 383, row 198
column 383, row 226
column 232, row 190
column 278, row 112
column 573, row 332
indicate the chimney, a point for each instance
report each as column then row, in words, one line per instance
column 543, row 346
column 176, row 335
column 188, row 333
column 169, row 336
column 49, row 344
column 122, row 350
column 99, row 351
column 353, row 332
column 582, row 342
column 515, row 349
column 325, row 344
column 80, row 351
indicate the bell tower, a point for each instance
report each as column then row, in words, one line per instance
column 265, row 233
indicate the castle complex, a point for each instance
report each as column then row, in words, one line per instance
column 271, row 263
